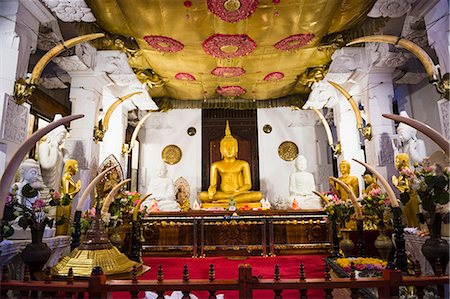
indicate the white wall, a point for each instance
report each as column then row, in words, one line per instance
column 154, row 139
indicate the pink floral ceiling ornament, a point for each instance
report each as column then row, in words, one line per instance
column 228, row 45
column 230, row 91
column 274, row 76
column 185, row 77
column 228, row 72
column 232, row 10
column 294, row 41
column 163, row 43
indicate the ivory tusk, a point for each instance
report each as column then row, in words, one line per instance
column 113, row 106
column 387, row 187
column 434, row 135
column 323, row 197
column 138, row 206
column 10, row 170
column 352, row 103
column 325, row 125
column 110, row 197
column 351, row 195
column 90, row 187
column 138, row 128
column 424, row 58
column 40, row 65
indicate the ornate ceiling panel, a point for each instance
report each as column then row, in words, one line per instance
column 206, row 49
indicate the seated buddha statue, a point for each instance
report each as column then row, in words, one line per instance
column 234, row 176
column 402, row 183
column 371, row 182
column 350, row 180
column 301, row 186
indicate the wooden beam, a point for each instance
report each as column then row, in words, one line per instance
column 47, row 106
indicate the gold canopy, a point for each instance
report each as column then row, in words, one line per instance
column 186, row 31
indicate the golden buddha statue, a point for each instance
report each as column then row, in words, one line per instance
column 68, row 191
column 235, row 178
column 411, row 208
column 350, row 180
column 371, row 182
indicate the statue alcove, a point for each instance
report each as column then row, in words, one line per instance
column 243, row 124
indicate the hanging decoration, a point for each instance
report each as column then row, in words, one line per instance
column 231, row 91
column 228, row 45
column 228, row 72
column 294, row 42
column 274, row 76
column 185, row 77
column 163, row 43
column 232, row 10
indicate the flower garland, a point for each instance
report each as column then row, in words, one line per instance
column 231, row 91
column 228, row 72
column 294, row 42
column 274, row 76
column 232, row 10
column 361, row 263
column 163, row 43
column 185, row 77
column 228, row 45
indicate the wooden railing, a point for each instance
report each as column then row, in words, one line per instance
column 97, row 286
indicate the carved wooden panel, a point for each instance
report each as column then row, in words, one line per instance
column 243, row 125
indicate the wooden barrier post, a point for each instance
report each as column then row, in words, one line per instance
column 245, row 281
column 97, row 283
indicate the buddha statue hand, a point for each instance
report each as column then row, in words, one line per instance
column 211, row 192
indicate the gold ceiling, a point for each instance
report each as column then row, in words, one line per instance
column 208, row 49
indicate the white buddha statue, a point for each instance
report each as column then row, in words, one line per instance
column 301, row 185
column 415, row 148
column 52, row 157
column 163, row 190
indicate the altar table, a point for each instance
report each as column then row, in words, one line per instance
column 266, row 233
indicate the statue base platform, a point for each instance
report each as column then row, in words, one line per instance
column 224, row 205
column 231, row 233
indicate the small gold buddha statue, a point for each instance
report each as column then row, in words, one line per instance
column 411, row 208
column 235, row 178
column 350, row 180
column 371, row 182
column 68, row 191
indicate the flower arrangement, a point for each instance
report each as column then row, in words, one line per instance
column 376, row 203
column 364, row 264
column 27, row 210
column 339, row 211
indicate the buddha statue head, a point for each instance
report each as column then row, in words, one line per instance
column 369, row 178
column 29, row 171
column 404, row 131
column 401, row 161
column 71, row 166
column 301, row 163
column 344, row 167
column 228, row 145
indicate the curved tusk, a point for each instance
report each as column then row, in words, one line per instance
column 91, row 186
column 10, row 170
column 325, row 125
column 113, row 106
column 351, row 195
column 110, row 197
column 387, row 187
column 40, row 65
column 434, row 135
column 352, row 103
column 323, row 197
column 138, row 128
column 424, row 58
column 138, row 206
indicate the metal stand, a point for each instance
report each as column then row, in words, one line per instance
column 400, row 261
column 360, row 242
column 76, row 235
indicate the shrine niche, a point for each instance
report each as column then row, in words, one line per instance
column 113, row 177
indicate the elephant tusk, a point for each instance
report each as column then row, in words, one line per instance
column 351, row 195
column 91, row 186
column 387, row 187
column 323, row 197
column 114, row 105
column 424, row 58
column 434, row 135
column 336, row 148
column 138, row 206
column 138, row 128
column 10, row 170
column 110, row 197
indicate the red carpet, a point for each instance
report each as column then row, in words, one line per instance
column 228, row 268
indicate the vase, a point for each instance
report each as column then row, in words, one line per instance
column 435, row 247
column 36, row 254
column 383, row 244
column 346, row 244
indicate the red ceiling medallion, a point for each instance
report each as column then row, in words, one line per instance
column 228, row 72
column 228, row 45
column 294, row 41
column 274, row 76
column 163, row 43
column 185, row 77
column 230, row 91
column 187, row 4
column 232, row 10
